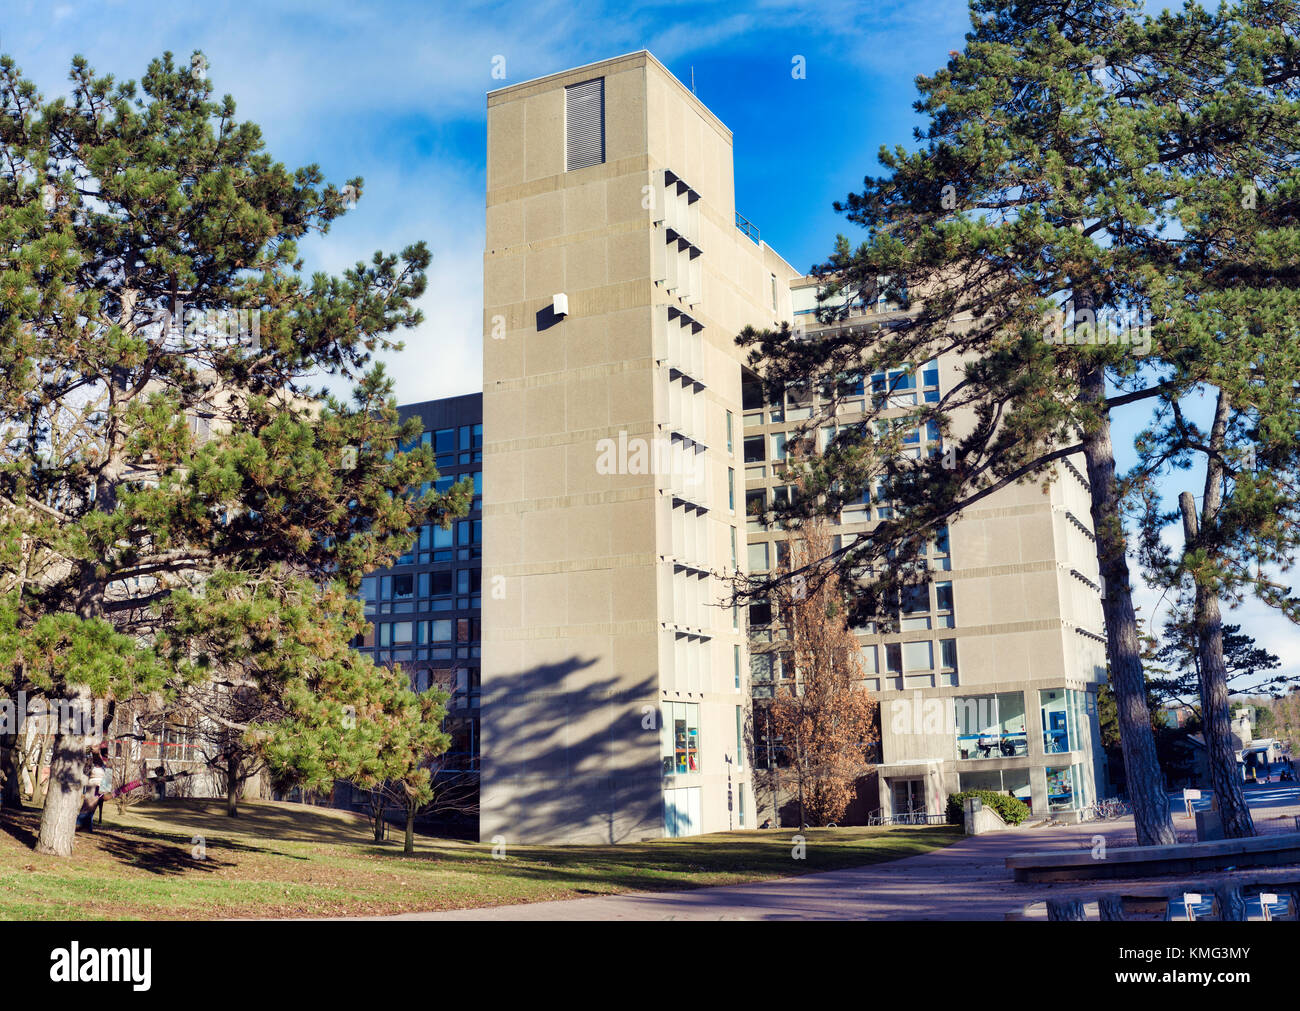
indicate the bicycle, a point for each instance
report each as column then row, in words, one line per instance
column 1107, row 809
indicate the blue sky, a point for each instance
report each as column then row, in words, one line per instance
column 395, row 92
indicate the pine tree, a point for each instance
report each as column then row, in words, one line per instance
column 157, row 341
column 1035, row 233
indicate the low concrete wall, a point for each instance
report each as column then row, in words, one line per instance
column 1147, row 861
column 980, row 819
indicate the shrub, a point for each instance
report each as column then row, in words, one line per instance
column 1011, row 809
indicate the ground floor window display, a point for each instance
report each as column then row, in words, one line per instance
column 1067, row 788
column 1012, row 781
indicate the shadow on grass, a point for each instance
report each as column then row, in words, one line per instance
column 23, row 826
column 156, row 853
column 282, row 822
column 157, row 858
column 671, row 865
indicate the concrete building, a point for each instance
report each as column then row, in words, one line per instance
column 990, row 679
column 627, row 456
column 425, row 608
column 616, row 275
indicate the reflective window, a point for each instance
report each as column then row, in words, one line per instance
column 991, row 726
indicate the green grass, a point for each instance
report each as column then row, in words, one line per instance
column 288, row 860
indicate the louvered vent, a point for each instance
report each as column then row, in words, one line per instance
column 584, row 124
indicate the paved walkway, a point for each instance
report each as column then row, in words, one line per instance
column 969, row 875
column 965, row 881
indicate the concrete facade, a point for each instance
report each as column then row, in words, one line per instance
column 609, row 527
column 1013, row 611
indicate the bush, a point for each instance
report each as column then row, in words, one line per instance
column 1011, row 809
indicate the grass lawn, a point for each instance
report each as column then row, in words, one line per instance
column 290, row 860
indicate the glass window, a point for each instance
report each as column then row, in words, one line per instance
column 754, row 449
column 943, row 596
column 778, row 446
column 1060, row 789
column 893, row 658
column 735, row 662
column 918, row 656
column 1056, row 721
column 758, row 557
column 681, row 738
column 734, row 563
column 914, row 599
column 440, row 630
column 991, row 726
column 740, row 738
column 731, row 422
column 731, row 489
column 948, row 654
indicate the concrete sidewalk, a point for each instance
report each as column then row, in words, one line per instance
column 966, row 881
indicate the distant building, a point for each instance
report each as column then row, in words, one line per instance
column 425, row 608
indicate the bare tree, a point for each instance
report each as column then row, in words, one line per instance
column 823, row 714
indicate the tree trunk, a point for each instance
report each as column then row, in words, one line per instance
column 408, row 847
column 64, row 793
column 234, row 786
column 776, row 776
column 803, row 772
column 1065, row 909
column 1232, row 905
column 1146, row 787
column 1216, row 713
column 10, row 794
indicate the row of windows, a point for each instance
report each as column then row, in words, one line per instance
column 395, row 633
column 902, row 387
column 411, row 654
column 410, row 585
column 900, row 659
column 449, row 441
